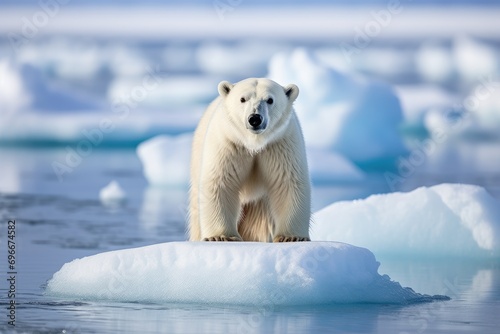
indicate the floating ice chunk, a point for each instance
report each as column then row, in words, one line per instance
column 354, row 116
column 112, row 194
column 444, row 220
column 232, row 273
column 166, row 159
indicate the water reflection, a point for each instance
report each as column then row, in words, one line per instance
column 162, row 207
column 245, row 319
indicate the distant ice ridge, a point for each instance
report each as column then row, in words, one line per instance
column 232, row 274
column 468, row 59
column 444, row 220
column 165, row 160
column 354, row 116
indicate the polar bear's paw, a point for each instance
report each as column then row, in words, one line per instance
column 222, row 238
column 286, row 238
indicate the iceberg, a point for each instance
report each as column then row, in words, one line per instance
column 165, row 159
column 354, row 116
column 232, row 274
column 441, row 221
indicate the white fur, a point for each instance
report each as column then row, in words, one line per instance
column 246, row 184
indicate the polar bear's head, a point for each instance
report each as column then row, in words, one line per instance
column 258, row 110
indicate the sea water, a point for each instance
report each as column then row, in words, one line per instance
column 57, row 222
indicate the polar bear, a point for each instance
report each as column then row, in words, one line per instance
column 249, row 174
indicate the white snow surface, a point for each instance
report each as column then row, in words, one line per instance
column 444, row 220
column 354, row 116
column 232, row 273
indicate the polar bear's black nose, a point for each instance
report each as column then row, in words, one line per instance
column 255, row 120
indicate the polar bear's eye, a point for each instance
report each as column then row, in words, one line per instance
column 242, row 100
column 270, row 100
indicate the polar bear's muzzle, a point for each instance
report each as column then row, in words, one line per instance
column 257, row 121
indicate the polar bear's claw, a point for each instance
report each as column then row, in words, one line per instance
column 222, row 238
column 283, row 238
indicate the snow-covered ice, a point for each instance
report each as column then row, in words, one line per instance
column 112, row 194
column 444, row 220
column 166, row 159
column 354, row 116
column 232, row 273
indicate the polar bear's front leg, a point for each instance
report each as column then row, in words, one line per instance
column 291, row 210
column 219, row 211
column 289, row 190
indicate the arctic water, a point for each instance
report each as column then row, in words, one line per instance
column 60, row 221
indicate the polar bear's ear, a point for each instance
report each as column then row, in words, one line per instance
column 292, row 91
column 224, row 88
